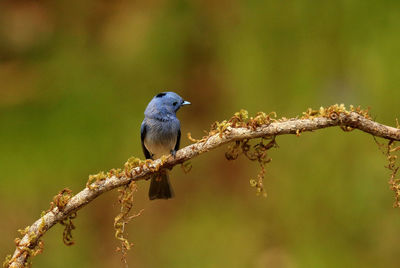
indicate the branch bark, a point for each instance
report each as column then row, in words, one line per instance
column 291, row 126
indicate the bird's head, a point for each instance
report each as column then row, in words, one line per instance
column 169, row 102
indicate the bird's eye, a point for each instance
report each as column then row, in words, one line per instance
column 175, row 103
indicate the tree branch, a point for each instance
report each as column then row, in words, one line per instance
column 230, row 133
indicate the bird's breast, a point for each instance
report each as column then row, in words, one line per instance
column 160, row 138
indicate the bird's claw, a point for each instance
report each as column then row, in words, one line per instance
column 173, row 153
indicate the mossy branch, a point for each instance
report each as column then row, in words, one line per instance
column 238, row 128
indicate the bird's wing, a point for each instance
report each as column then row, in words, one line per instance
column 178, row 140
column 142, row 136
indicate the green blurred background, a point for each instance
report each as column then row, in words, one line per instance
column 76, row 77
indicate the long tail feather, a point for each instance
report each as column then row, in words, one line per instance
column 160, row 187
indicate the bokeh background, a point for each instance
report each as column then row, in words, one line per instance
column 76, row 76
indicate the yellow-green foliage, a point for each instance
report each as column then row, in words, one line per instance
column 30, row 250
column 7, row 261
column 60, row 201
column 393, row 165
column 125, row 199
column 68, row 227
column 94, row 179
column 186, row 167
column 238, row 120
column 132, row 163
column 256, row 152
column 241, row 119
column 333, row 111
column 127, row 171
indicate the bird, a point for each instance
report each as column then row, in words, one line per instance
column 160, row 135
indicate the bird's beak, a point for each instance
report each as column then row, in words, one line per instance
column 185, row 103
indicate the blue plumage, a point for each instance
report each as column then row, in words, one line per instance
column 160, row 135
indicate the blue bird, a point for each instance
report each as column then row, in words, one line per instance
column 160, row 134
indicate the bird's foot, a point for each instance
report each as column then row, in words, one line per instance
column 173, row 153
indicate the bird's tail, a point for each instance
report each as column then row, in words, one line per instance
column 160, row 187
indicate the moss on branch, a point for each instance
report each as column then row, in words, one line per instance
column 237, row 131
